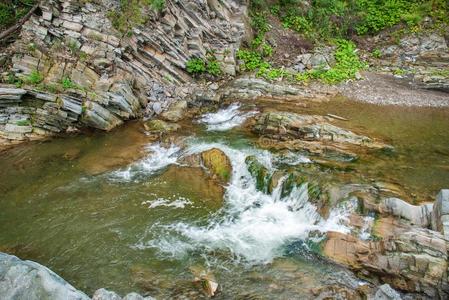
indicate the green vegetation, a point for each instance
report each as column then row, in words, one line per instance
column 327, row 19
column 133, row 13
column 34, row 78
column 346, row 67
column 67, row 83
column 198, row 66
column 12, row 10
column 23, row 123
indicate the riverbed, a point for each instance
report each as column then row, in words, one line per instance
column 120, row 210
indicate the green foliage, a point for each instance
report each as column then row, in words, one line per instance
column 34, row 78
column 376, row 53
column 12, row 10
column 132, row 13
column 197, row 66
column 23, row 123
column 213, row 67
column 67, row 83
column 323, row 20
column 346, row 67
column 252, row 60
column 12, row 79
column 259, row 23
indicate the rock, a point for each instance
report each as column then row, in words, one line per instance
column 160, row 126
column 419, row 215
column 414, row 260
column 440, row 217
column 29, row 280
column 113, row 78
column 312, row 133
column 385, row 292
column 104, row 294
column 259, row 172
column 175, row 112
column 218, row 164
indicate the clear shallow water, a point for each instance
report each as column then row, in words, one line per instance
column 116, row 210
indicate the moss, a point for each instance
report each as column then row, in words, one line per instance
column 218, row 163
column 259, row 172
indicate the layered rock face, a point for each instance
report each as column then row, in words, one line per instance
column 410, row 256
column 78, row 71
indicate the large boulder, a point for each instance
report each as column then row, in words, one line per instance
column 218, row 164
column 28, row 280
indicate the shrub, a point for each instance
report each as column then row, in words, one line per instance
column 12, row 10
column 34, row 78
column 67, row 83
column 196, row 66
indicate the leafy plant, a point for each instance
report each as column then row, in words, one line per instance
column 196, row 66
column 34, row 78
column 213, row 68
column 67, row 83
column 12, row 10
column 376, row 53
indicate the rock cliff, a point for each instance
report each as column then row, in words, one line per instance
column 78, row 71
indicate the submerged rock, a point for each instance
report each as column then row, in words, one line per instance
column 160, row 126
column 24, row 279
column 218, row 164
column 175, row 112
column 104, row 294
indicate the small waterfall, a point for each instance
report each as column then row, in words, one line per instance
column 225, row 119
column 159, row 158
column 252, row 225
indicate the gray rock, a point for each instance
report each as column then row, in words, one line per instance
column 104, row 294
column 440, row 218
column 419, row 215
column 385, row 292
column 31, row 281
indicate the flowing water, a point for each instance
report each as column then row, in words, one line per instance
column 122, row 211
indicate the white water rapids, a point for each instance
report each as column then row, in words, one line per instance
column 225, row 119
column 251, row 225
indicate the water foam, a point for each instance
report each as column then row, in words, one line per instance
column 159, row 158
column 251, row 225
column 181, row 202
column 225, row 119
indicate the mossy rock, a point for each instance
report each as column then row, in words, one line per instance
column 296, row 179
column 160, row 126
column 218, row 164
column 274, row 180
column 259, row 172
